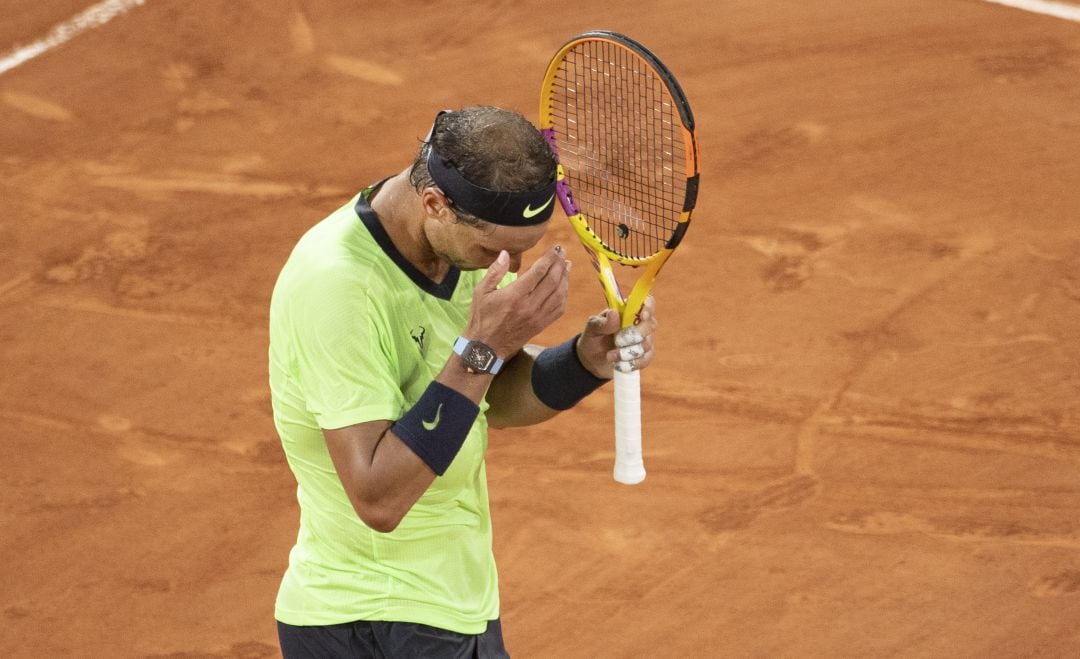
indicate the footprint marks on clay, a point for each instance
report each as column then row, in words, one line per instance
column 1059, row 584
column 790, row 253
column 742, row 510
column 963, row 528
column 242, row 650
column 133, row 263
column 1028, row 60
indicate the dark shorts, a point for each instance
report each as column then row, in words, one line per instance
column 388, row 639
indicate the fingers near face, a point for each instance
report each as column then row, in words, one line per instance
column 556, row 300
column 552, row 262
column 550, row 283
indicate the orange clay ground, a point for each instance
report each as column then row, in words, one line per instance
column 862, row 427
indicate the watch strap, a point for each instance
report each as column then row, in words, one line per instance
column 459, row 346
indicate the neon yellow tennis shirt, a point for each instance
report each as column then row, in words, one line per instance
column 357, row 334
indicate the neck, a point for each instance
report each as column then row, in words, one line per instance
column 398, row 207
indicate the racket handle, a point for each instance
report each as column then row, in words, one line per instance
column 629, row 467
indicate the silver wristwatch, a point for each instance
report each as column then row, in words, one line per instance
column 478, row 356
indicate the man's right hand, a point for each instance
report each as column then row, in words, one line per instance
column 507, row 318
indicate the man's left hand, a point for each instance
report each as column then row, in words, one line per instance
column 604, row 347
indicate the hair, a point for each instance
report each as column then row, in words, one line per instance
column 491, row 147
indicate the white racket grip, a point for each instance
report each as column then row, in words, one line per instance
column 629, row 467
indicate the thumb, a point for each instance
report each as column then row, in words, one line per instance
column 495, row 272
column 605, row 322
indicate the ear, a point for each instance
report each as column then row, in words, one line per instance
column 435, row 204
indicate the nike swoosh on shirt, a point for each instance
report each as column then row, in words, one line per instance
column 530, row 212
column 434, row 423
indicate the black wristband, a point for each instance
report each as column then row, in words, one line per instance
column 437, row 425
column 559, row 379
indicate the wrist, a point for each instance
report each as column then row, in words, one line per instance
column 437, row 425
column 559, row 377
column 477, row 356
column 600, row 372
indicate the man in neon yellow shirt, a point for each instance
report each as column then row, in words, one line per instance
column 398, row 332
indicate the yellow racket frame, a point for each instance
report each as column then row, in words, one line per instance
column 602, row 255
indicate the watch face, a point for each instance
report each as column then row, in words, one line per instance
column 478, row 357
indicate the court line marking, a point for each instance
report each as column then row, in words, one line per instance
column 91, row 17
column 103, row 12
column 1047, row 7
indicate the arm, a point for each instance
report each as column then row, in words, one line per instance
column 382, row 476
column 384, row 471
column 512, row 397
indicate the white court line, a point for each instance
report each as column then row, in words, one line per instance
column 1056, row 9
column 103, row 12
column 92, row 17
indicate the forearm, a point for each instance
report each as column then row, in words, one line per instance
column 382, row 480
column 511, row 399
column 386, row 466
column 538, row 384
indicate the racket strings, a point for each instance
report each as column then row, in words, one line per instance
column 621, row 146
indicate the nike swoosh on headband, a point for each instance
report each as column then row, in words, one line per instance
column 530, row 212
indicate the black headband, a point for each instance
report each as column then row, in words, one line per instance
column 515, row 209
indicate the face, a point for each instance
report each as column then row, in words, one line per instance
column 472, row 248
column 475, row 248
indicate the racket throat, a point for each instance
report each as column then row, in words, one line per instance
column 616, row 298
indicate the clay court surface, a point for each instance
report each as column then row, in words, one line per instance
column 862, row 426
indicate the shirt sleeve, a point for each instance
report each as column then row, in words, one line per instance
column 345, row 367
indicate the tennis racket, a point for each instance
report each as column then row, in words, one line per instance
column 623, row 135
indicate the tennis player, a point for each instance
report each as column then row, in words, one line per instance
column 398, row 333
